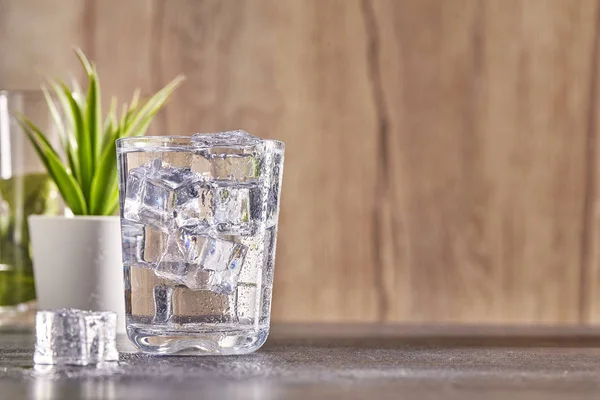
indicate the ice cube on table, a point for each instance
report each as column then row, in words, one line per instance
column 75, row 337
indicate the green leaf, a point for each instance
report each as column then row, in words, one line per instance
column 89, row 69
column 77, row 92
column 56, row 117
column 64, row 135
column 151, row 107
column 124, row 117
column 105, row 180
column 112, row 204
column 110, row 124
column 135, row 99
column 88, row 178
column 66, row 110
column 93, row 123
column 93, row 120
column 142, row 126
column 67, row 185
column 111, row 196
column 86, row 166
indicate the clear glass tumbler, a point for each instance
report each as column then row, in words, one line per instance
column 25, row 189
column 199, row 228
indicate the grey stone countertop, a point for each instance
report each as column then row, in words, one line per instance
column 337, row 362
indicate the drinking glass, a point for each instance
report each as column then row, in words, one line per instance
column 25, row 189
column 199, row 227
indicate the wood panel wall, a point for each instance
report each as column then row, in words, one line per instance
column 442, row 156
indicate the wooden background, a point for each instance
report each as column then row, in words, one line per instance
column 442, row 156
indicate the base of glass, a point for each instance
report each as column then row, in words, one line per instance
column 18, row 317
column 197, row 339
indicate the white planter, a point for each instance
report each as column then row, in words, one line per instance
column 77, row 263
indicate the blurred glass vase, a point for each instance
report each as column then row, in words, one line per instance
column 25, row 189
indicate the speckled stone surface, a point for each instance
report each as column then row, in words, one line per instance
column 338, row 362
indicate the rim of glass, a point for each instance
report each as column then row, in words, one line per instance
column 171, row 141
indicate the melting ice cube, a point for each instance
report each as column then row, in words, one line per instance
column 75, row 337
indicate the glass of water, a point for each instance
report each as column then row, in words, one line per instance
column 199, row 229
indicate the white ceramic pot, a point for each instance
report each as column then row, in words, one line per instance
column 77, row 263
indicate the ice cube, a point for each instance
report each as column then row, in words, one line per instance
column 142, row 245
column 199, row 279
column 132, row 236
column 231, row 166
column 173, row 265
column 155, row 189
column 133, row 192
column 229, row 138
column 157, row 200
column 236, row 208
column 163, row 304
column 194, row 208
column 246, row 302
column 221, row 255
column 213, row 263
column 222, row 282
column 238, row 167
column 273, row 195
column 231, row 155
column 75, row 337
column 202, row 306
column 259, row 253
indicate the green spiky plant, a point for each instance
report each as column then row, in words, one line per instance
column 87, row 178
